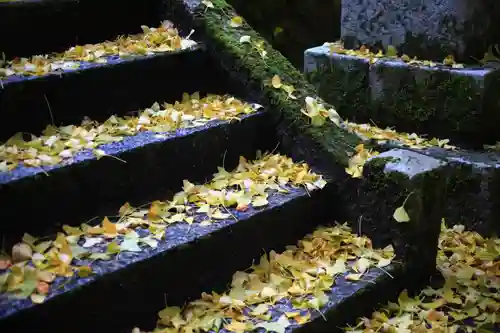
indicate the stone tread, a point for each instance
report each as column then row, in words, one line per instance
column 154, row 164
column 191, row 259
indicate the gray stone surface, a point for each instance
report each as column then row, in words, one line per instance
column 457, row 103
column 430, row 29
column 396, row 178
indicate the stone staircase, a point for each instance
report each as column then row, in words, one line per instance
column 424, row 81
column 109, row 213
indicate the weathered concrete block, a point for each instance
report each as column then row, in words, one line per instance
column 460, row 104
column 429, row 29
column 341, row 80
column 403, row 178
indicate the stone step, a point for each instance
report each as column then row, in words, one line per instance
column 137, row 168
column 441, row 101
column 472, row 188
column 44, row 26
column 365, row 93
column 340, row 295
column 128, row 289
column 97, row 91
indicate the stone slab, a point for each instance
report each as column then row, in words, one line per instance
column 130, row 289
column 342, row 80
column 459, row 104
column 429, row 29
column 472, row 189
column 84, row 187
column 405, row 178
column 101, row 90
column 54, row 25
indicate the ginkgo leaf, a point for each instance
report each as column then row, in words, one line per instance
column 260, row 201
column 207, row 3
column 91, row 241
column 130, row 245
column 277, row 31
column 245, row 39
column 391, row 51
column 278, row 326
column 236, row 21
column 276, row 82
column 21, row 252
column 37, row 298
column 400, row 215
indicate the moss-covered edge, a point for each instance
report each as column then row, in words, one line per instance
column 345, row 86
column 244, row 62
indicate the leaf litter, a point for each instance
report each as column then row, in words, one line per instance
column 467, row 301
column 314, row 108
column 299, row 278
column 392, row 53
column 57, row 144
column 36, row 263
column 164, row 38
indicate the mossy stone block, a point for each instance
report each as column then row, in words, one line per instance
column 430, row 29
column 341, row 80
column 403, row 178
column 472, row 189
column 460, row 104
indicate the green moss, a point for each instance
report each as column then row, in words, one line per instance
column 245, row 63
column 433, row 102
column 346, row 86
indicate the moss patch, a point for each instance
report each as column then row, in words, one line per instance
column 245, row 63
column 343, row 81
column 437, row 102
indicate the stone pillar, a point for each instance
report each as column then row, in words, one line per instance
column 428, row 29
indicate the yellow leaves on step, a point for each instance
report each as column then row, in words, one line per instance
column 207, row 3
column 400, row 215
column 36, row 263
column 366, row 131
column 318, row 113
column 277, row 84
column 467, row 301
column 358, row 160
column 236, row 21
column 301, row 274
column 57, row 144
column 165, row 38
column 365, row 52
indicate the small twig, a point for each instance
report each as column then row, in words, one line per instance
column 227, row 210
column 386, row 272
column 359, row 225
column 275, row 148
column 50, row 110
column 224, row 160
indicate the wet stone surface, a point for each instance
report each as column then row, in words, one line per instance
column 191, row 259
column 341, row 80
column 405, row 178
column 429, row 29
column 460, row 104
column 472, row 189
column 156, row 164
